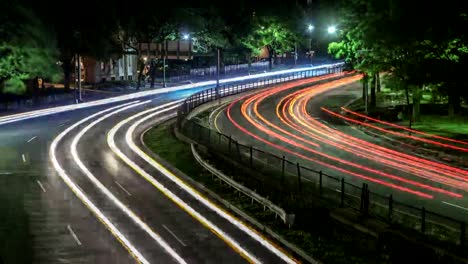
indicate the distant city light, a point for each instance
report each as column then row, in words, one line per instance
column 310, row 27
column 331, row 29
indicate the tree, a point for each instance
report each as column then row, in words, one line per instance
column 27, row 49
column 88, row 29
column 270, row 33
column 406, row 47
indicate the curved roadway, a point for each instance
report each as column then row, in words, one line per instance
column 300, row 123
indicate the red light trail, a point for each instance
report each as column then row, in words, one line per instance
column 310, row 135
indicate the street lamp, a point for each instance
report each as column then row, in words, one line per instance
column 331, row 29
column 185, row 36
column 310, row 28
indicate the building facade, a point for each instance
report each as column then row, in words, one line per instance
column 96, row 71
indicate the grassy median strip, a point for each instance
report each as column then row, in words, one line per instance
column 321, row 239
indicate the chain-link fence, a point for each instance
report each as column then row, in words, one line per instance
column 290, row 182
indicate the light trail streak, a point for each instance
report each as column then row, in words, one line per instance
column 286, row 150
column 431, row 170
column 197, row 195
column 394, row 132
column 294, row 106
column 403, row 127
column 441, row 170
column 136, row 219
column 304, row 121
column 324, row 133
column 54, row 110
column 83, row 197
column 285, row 139
column 169, row 194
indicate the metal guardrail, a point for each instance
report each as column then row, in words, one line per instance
column 225, row 90
column 241, row 188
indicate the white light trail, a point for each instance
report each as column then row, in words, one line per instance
column 195, row 194
column 252, row 233
column 60, row 109
column 83, row 197
column 108, row 193
column 187, row 208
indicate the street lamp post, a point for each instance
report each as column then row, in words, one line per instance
column 310, row 28
column 217, row 75
column 164, row 71
column 79, row 78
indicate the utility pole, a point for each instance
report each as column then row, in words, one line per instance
column 164, row 71
column 295, row 53
column 80, row 99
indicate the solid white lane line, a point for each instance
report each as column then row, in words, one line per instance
column 194, row 193
column 83, row 197
column 23, row 157
column 137, row 220
column 74, row 235
column 31, row 139
column 40, row 185
column 172, row 233
column 169, row 194
column 123, row 189
column 456, row 206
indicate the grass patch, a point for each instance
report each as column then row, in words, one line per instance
column 443, row 125
column 319, row 238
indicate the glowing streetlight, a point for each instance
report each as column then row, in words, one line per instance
column 186, row 36
column 310, row 27
column 331, row 29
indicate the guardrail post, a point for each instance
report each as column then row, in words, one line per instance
column 320, row 183
column 390, row 208
column 423, row 220
column 363, row 198
column 283, row 160
column 462, row 234
column 299, row 176
column 251, row 156
column 367, row 199
column 238, row 151
column 342, row 192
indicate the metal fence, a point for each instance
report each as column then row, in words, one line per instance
column 282, row 178
column 211, row 71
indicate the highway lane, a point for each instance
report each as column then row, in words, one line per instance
column 301, row 143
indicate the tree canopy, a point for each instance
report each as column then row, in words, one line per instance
column 27, row 48
column 421, row 43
